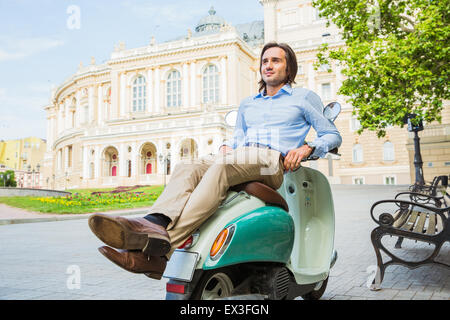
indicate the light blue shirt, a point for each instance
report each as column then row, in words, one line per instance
column 282, row 122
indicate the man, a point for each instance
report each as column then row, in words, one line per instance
column 268, row 139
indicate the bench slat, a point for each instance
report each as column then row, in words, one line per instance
column 420, row 222
column 411, row 221
column 403, row 216
column 431, row 229
column 439, row 226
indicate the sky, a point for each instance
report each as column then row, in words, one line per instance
column 42, row 42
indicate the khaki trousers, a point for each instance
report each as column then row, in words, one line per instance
column 196, row 188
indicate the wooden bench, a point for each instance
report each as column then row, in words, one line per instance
column 411, row 220
column 437, row 195
column 432, row 188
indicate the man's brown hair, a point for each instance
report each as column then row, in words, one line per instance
column 291, row 63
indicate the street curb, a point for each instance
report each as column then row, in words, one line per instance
column 62, row 218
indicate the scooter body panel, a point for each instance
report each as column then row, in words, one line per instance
column 308, row 194
column 240, row 205
column 264, row 234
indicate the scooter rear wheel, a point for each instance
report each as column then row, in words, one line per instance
column 317, row 293
column 215, row 284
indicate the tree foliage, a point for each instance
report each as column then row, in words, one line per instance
column 395, row 59
column 7, row 179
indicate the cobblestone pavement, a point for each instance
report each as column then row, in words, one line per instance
column 40, row 260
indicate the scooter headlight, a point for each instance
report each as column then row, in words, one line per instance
column 221, row 243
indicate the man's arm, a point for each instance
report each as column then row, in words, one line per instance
column 328, row 137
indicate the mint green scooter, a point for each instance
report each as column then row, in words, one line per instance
column 261, row 243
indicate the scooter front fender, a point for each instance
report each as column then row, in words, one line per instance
column 264, row 234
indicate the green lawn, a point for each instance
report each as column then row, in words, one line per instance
column 83, row 201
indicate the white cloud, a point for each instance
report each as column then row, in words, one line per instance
column 13, row 48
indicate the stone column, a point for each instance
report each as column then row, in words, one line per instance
column 91, row 103
column 270, row 20
column 114, row 95
column 85, row 163
column 100, row 105
column 150, row 93
column 78, row 111
column 66, row 158
column 122, row 104
column 122, row 161
column 233, row 79
column 223, row 80
column 134, row 161
column 193, row 82
column 97, row 159
column 157, row 107
column 185, row 77
column 60, row 119
column 67, row 123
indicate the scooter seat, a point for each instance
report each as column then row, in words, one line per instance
column 263, row 192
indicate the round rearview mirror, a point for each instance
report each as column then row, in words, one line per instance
column 231, row 117
column 332, row 110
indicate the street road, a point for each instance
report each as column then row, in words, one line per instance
column 59, row 260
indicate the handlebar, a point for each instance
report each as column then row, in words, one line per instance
column 313, row 158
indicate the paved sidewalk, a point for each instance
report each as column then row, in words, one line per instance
column 45, row 260
column 11, row 215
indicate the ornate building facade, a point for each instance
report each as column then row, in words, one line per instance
column 130, row 120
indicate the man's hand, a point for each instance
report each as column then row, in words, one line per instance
column 295, row 156
column 225, row 149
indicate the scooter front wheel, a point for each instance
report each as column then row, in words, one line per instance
column 215, row 284
column 317, row 293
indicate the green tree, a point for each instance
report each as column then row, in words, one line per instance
column 7, row 179
column 395, row 58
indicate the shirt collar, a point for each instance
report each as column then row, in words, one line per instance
column 284, row 89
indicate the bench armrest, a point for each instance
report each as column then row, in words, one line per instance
column 422, row 198
column 401, row 206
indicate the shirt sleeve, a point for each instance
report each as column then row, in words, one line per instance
column 240, row 130
column 328, row 137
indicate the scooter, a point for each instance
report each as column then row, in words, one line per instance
column 262, row 244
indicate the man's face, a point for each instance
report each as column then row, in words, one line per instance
column 273, row 67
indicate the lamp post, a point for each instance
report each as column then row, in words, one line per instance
column 418, row 163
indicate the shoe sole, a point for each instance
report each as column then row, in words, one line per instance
column 116, row 235
column 154, row 275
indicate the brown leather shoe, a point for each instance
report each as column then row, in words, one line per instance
column 131, row 234
column 136, row 261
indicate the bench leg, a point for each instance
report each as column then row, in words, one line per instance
column 375, row 237
column 398, row 244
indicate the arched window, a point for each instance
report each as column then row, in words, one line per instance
column 388, row 151
column 139, row 94
column 210, row 84
column 174, row 89
column 357, row 153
